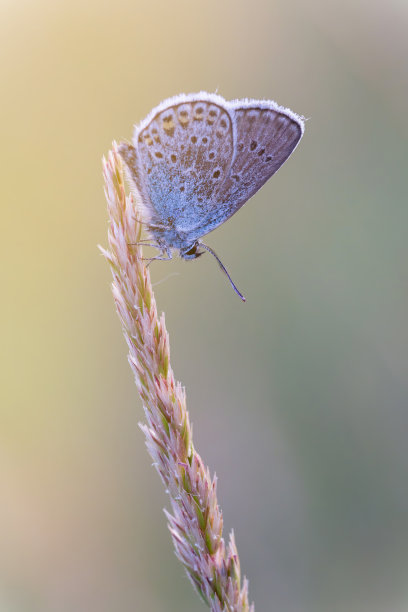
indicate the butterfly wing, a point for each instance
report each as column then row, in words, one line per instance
column 266, row 134
column 182, row 154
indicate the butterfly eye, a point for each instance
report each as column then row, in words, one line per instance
column 192, row 250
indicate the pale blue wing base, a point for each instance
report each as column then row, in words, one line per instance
column 134, row 173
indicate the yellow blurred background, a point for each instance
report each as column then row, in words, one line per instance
column 299, row 398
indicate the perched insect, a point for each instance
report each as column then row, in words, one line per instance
column 197, row 158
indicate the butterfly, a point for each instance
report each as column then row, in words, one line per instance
column 197, row 158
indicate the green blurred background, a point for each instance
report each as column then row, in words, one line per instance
column 298, row 398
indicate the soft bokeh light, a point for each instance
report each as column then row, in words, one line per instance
column 299, row 397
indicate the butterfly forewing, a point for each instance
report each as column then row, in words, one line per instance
column 185, row 151
column 265, row 137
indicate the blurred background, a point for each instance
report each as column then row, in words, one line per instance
column 299, row 398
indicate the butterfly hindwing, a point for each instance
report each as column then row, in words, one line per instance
column 185, row 151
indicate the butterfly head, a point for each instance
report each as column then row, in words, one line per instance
column 191, row 251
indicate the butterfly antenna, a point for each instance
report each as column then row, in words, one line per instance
column 223, row 268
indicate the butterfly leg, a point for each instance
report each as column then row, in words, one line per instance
column 145, row 242
column 164, row 255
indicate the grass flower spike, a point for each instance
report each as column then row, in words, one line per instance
column 195, row 520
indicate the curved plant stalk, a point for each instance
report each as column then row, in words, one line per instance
column 195, row 521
